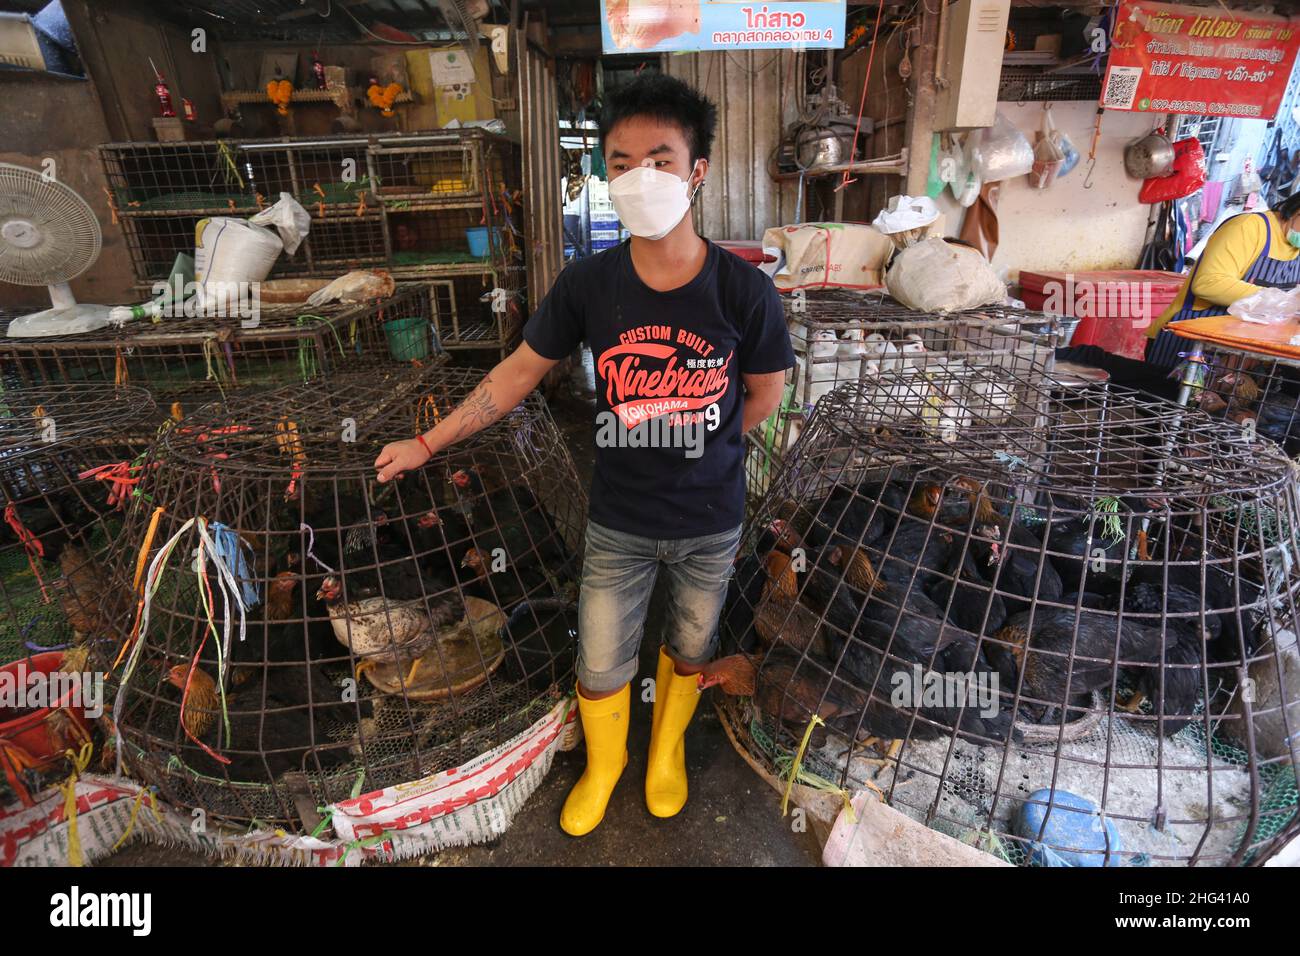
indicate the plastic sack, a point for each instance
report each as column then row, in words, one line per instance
column 826, row 255
column 1048, row 158
column 228, row 252
column 1001, row 152
column 906, row 219
column 939, row 276
column 1188, row 175
column 1268, row 306
column 289, row 219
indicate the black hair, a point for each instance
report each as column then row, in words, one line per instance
column 1289, row 206
column 669, row 100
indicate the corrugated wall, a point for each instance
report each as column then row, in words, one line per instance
column 754, row 93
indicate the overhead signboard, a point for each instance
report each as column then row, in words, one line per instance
column 1207, row 61
column 661, row 26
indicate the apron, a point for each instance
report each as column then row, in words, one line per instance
column 1163, row 350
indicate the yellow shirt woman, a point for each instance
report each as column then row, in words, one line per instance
column 1246, row 253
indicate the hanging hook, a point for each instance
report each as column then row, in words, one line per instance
column 1087, row 180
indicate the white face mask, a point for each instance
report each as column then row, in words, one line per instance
column 649, row 201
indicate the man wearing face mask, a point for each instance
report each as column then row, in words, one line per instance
column 691, row 350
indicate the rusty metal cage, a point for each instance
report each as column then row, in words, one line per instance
column 389, row 631
column 1255, row 393
column 1064, row 635
column 399, row 202
column 69, row 464
column 197, row 359
column 998, row 355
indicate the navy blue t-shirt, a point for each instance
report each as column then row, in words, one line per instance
column 669, row 395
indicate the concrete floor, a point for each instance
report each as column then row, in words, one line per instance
column 732, row 817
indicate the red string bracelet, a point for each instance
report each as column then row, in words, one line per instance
column 420, row 439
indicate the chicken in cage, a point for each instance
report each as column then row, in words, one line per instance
column 304, row 629
column 69, row 467
column 1068, row 641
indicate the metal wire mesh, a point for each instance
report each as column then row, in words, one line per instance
column 61, row 447
column 1253, row 393
column 1092, row 594
column 996, row 355
column 199, row 359
column 390, row 631
column 403, row 202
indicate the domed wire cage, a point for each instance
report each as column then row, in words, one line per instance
column 307, row 633
column 69, row 466
column 1062, row 636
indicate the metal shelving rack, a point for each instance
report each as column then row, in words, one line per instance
column 398, row 202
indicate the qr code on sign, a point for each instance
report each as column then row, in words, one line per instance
column 1121, row 87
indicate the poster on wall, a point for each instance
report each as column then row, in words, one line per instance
column 661, row 26
column 1207, row 61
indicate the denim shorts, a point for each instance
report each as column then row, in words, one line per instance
column 618, row 575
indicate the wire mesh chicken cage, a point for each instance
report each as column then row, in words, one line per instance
column 199, row 359
column 1253, row 392
column 334, row 633
column 1064, row 635
column 68, row 468
column 404, row 202
column 841, row 336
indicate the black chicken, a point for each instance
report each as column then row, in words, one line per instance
column 977, row 607
column 1057, row 668
column 1084, row 555
column 1180, row 670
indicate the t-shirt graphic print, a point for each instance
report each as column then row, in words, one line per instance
column 669, row 392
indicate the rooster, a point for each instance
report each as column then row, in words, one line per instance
column 95, row 605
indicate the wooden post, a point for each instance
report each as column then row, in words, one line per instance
column 920, row 121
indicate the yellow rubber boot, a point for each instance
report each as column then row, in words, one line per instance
column 663, row 674
column 665, row 777
column 604, row 724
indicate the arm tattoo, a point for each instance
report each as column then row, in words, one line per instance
column 478, row 411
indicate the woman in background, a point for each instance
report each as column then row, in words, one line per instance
column 1249, row 252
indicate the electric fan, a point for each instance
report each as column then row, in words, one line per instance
column 48, row 236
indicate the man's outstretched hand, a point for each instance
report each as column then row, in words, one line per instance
column 400, row 456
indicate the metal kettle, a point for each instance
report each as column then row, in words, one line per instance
column 1149, row 157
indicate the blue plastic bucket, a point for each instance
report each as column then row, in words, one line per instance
column 477, row 237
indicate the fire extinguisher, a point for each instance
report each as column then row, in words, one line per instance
column 160, row 88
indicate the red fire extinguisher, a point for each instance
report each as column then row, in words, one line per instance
column 160, row 88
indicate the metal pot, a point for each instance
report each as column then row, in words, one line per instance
column 1149, row 157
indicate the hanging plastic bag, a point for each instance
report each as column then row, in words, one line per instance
column 1064, row 144
column 1001, row 152
column 1048, row 158
column 934, row 182
column 958, row 161
column 1188, row 175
